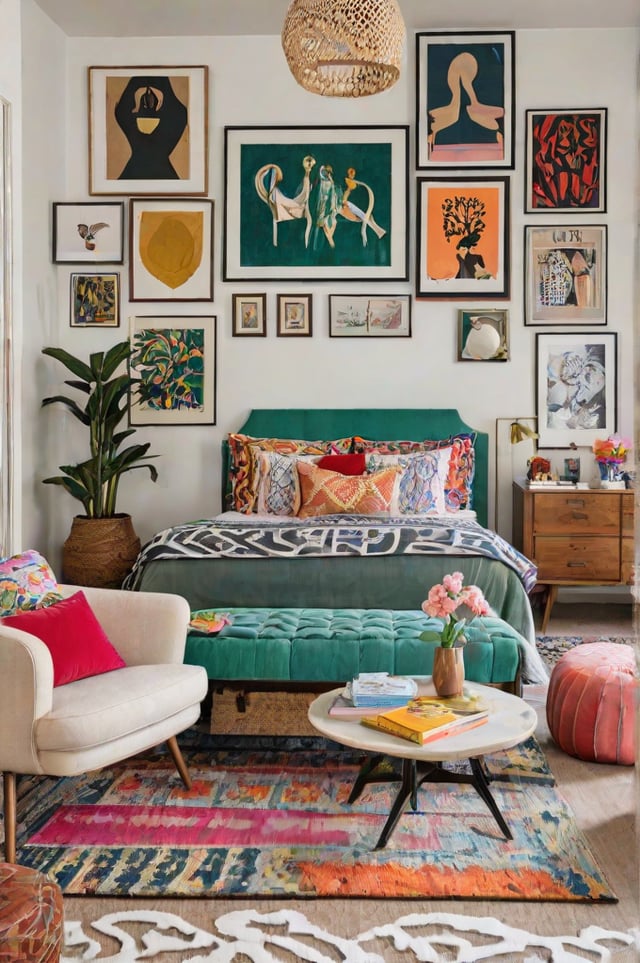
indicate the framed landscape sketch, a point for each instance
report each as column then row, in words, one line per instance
column 170, row 250
column 294, row 315
column 565, row 274
column 370, row 315
column 483, row 335
column 576, row 388
column 566, row 161
column 463, row 237
column 173, row 364
column 95, row 301
column 148, row 130
column 249, row 315
column 92, row 231
column 315, row 203
column 465, row 100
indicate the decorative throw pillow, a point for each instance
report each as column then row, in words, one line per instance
column 277, row 484
column 26, row 582
column 74, row 637
column 330, row 493
column 354, row 464
column 421, row 490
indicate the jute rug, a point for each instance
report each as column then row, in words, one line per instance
column 269, row 816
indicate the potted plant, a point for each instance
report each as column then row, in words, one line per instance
column 102, row 545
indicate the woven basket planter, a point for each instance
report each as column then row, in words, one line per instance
column 99, row 552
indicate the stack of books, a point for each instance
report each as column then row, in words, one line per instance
column 373, row 690
column 427, row 718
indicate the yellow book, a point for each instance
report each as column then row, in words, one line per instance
column 425, row 719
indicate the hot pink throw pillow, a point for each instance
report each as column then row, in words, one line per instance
column 74, row 637
column 344, row 464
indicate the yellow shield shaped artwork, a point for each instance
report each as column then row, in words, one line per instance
column 170, row 245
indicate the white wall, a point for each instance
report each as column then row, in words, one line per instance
column 250, row 84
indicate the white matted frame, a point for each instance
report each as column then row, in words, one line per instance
column 565, row 274
column 173, row 366
column 89, row 231
column 295, row 315
column 370, row 315
column 170, row 250
column 576, row 388
column 249, row 315
column 148, row 130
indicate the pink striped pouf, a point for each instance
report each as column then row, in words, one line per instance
column 592, row 703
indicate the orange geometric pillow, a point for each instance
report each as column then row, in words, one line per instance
column 331, row 493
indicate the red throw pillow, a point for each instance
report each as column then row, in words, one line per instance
column 344, row 464
column 74, row 637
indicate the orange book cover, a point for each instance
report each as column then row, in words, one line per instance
column 423, row 720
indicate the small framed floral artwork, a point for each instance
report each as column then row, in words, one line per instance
column 91, row 232
column 370, row 316
column 95, row 301
column 565, row 274
column 294, row 315
column 249, row 315
column 483, row 335
column 173, row 367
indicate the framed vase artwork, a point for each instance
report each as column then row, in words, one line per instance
column 370, row 315
column 566, row 161
column 95, row 301
column 315, row 203
column 465, row 100
column 91, row 232
column 483, row 335
column 576, row 388
column 170, row 250
column 565, row 274
column 148, row 130
column 249, row 315
column 294, row 315
column 463, row 238
column 173, row 364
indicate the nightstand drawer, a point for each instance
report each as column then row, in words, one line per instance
column 574, row 513
column 578, row 559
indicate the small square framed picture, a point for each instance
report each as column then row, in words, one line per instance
column 95, row 301
column 91, row 232
column 294, row 315
column 483, row 335
column 249, row 315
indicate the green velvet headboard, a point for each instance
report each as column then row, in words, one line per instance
column 414, row 424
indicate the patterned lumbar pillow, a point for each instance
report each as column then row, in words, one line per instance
column 330, row 493
column 26, row 582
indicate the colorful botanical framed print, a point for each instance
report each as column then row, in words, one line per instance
column 148, row 130
column 249, row 315
column 483, row 334
column 95, row 301
column 294, row 315
column 370, row 315
column 91, row 232
column 170, row 250
column 566, row 161
column 463, row 237
column 173, row 367
column 315, row 203
column 465, row 100
column 565, row 274
column 576, row 388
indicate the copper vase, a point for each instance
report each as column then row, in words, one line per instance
column 448, row 670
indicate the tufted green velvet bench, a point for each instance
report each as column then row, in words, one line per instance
column 300, row 649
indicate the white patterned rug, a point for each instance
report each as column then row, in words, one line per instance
column 288, row 934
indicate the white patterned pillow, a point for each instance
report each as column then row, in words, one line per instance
column 277, row 483
column 422, row 482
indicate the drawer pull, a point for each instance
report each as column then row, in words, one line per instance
column 576, row 501
column 579, row 516
column 576, row 564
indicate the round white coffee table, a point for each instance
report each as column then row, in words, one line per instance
column 510, row 722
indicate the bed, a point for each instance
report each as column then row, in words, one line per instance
column 243, row 557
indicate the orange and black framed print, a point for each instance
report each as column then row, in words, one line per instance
column 370, row 315
column 566, row 160
column 95, row 301
column 463, row 237
column 148, row 130
column 249, row 315
column 173, row 370
column 294, row 315
column 465, row 100
column 565, row 274
column 90, row 231
column 170, row 250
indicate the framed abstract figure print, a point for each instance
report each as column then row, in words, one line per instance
column 295, row 315
column 370, row 315
column 249, row 315
column 89, row 232
column 465, row 100
column 95, row 301
column 565, row 274
column 483, row 334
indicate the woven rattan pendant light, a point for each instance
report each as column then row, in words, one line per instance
column 344, row 48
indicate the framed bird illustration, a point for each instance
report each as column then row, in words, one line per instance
column 90, row 232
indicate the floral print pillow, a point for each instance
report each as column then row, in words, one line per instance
column 26, row 582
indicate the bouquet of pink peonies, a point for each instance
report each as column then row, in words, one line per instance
column 442, row 603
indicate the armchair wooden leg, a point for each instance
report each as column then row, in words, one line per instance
column 178, row 758
column 9, row 788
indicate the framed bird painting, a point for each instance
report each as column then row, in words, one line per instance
column 88, row 232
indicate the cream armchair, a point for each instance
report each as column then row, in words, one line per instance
column 94, row 722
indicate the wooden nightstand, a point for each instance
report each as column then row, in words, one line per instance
column 575, row 537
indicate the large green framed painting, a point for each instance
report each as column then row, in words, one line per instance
column 322, row 203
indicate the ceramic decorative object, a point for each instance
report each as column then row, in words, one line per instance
column 448, row 670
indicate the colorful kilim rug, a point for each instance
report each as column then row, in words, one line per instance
column 269, row 817
column 552, row 647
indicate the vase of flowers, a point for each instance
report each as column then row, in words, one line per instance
column 454, row 605
column 610, row 455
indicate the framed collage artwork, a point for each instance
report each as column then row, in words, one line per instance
column 465, row 100
column 565, row 274
column 483, row 335
column 170, row 250
column 463, row 237
column 315, row 203
column 249, row 315
column 370, row 315
column 148, row 130
column 89, row 231
column 295, row 315
column 173, row 364
column 95, row 301
column 576, row 388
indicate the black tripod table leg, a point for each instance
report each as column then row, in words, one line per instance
column 481, row 785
